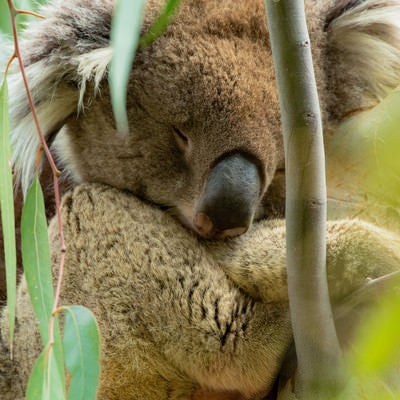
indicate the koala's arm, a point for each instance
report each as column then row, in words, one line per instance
column 173, row 324
column 356, row 252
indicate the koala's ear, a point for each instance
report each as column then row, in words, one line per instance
column 53, row 105
column 363, row 53
column 59, row 61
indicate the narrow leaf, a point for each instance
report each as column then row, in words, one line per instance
column 37, row 266
column 125, row 32
column 82, row 351
column 160, row 23
column 7, row 208
column 36, row 256
column 45, row 382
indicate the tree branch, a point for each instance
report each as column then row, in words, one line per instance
column 318, row 351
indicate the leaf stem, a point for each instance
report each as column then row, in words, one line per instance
column 31, row 13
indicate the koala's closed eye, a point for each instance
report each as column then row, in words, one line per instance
column 182, row 140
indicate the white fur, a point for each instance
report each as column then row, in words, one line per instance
column 54, row 102
column 51, row 110
column 93, row 67
column 376, row 56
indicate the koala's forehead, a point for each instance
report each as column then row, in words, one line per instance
column 197, row 74
column 219, row 89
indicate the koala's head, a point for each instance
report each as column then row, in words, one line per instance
column 204, row 137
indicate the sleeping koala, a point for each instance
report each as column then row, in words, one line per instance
column 182, row 317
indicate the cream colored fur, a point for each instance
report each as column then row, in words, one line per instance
column 182, row 317
column 364, row 45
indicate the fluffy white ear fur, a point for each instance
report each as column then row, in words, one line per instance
column 52, row 107
column 54, row 100
column 93, row 67
column 365, row 41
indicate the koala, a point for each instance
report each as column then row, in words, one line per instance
column 204, row 154
column 182, row 317
column 205, row 139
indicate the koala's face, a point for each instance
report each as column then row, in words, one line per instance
column 204, row 137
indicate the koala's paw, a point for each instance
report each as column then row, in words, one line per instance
column 358, row 252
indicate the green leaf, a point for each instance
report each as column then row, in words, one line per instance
column 82, row 351
column 58, row 352
column 36, row 256
column 45, row 382
column 125, row 32
column 377, row 347
column 160, row 24
column 7, row 208
column 37, row 266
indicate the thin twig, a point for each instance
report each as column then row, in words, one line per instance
column 44, row 147
column 31, row 13
column 368, row 293
column 12, row 58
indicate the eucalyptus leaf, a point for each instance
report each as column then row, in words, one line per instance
column 37, row 266
column 160, row 23
column 125, row 32
column 45, row 382
column 36, row 256
column 82, row 352
column 7, row 208
column 363, row 167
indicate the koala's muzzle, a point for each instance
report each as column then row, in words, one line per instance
column 230, row 198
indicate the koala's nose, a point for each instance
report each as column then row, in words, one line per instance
column 227, row 205
column 207, row 228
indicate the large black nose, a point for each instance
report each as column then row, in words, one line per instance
column 230, row 198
